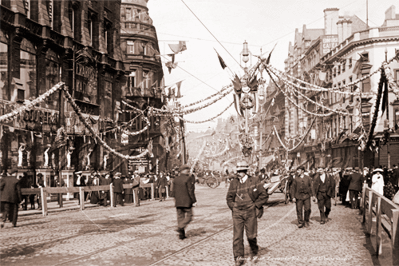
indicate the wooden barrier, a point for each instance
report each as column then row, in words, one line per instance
column 44, row 191
column 379, row 205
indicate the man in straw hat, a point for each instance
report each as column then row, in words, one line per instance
column 301, row 191
column 245, row 197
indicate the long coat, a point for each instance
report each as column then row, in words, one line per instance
column 184, row 190
column 329, row 181
column 10, row 190
column 118, row 185
column 356, row 181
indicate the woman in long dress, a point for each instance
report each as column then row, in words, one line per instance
column 378, row 181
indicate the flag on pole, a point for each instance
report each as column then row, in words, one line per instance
column 270, row 54
column 221, row 61
column 170, row 66
column 178, row 84
column 237, row 84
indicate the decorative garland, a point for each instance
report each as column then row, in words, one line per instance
column 103, row 143
column 31, row 104
column 376, row 109
column 197, row 158
column 209, row 119
column 316, row 103
column 207, row 98
column 184, row 112
column 134, row 108
column 313, row 87
column 230, row 160
column 389, row 77
column 294, row 103
column 322, row 106
column 226, row 148
column 140, row 131
column 285, row 147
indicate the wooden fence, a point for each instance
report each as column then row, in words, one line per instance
column 387, row 216
column 46, row 191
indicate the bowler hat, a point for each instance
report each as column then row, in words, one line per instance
column 242, row 166
column 184, row 167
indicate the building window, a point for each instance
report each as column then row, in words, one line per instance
column 334, row 72
column 28, row 70
column 52, row 78
column 108, row 99
column 130, row 47
column 343, row 65
column 90, row 28
column 339, row 69
column 6, row 3
column 77, row 34
column 350, row 63
column 365, row 57
column 3, row 66
column 71, row 17
column 396, row 76
column 396, row 118
column 57, row 22
column 34, row 10
column 86, row 83
column 146, row 79
column 128, row 14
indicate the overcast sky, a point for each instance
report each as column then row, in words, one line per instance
column 262, row 23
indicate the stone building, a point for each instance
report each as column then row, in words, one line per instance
column 344, row 51
column 43, row 43
column 143, row 84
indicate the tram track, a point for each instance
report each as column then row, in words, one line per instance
column 272, row 204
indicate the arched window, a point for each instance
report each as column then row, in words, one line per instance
column 28, row 69
column 3, row 66
column 52, row 77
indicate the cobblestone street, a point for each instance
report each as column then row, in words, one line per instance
column 146, row 236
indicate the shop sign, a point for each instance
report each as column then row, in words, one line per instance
column 40, row 116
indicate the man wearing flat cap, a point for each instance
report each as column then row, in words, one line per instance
column 184, row 192
column 302, row 190
column 245, row 197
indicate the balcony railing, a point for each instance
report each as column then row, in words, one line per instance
column 33, row 27
column 7, row 15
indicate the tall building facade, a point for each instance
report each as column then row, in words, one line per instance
column 143, row 84
column 344, row 51
column 43, row 43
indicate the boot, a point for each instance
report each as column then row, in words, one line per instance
column 182, row 234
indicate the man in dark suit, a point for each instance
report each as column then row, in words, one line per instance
column 118, row 189
column 10, row 197
column 301, row 191
column 355, row 186
column 184, row 190
column 324, row 188
column 245, row 197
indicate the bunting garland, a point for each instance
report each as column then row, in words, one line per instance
column 209, row 119
column 207, row 98
column 99, row 139
column 31, row 104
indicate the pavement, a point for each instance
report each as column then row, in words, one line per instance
column 146, row 235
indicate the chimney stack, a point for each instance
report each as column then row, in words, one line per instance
column 331, row 17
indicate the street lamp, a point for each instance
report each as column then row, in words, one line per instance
column 245, row 55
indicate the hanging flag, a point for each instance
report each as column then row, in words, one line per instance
column 385, row 101
column 178, row 84
column 237, row 84
column 170, row 66
column 177, row 48
column 221, row 61
column 270, row 54
column 359, row 63
column 253, row 84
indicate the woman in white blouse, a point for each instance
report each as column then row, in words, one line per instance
column 378, row 181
